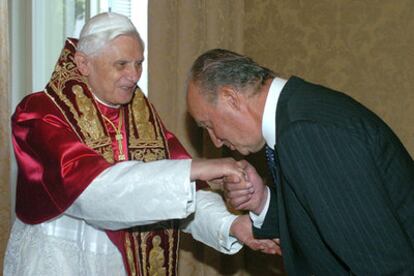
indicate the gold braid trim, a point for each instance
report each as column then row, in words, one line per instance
column 130, row 254
column 67, row 88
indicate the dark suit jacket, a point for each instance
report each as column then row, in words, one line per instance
column 345, row 200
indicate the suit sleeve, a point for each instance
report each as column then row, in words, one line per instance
column 336, row 174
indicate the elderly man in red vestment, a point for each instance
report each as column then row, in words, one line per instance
column 103, row 188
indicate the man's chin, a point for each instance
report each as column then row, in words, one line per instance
column 126, row 97
column 243, row 152
column 248, row 151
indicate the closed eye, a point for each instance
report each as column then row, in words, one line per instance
column 121, row 64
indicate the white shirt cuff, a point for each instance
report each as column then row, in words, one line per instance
column 229, row 244
column 211, row 223
column 259, row 219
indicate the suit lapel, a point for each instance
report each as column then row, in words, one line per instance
column 294, row 263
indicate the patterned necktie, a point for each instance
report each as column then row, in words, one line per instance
column 271, row 163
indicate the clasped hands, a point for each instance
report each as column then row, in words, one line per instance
column 243, row 190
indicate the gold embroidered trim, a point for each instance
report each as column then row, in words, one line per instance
column 87, row 118
column 64, row 114
column 148, row 145
column 170, row 250
column 177, row 248
column 144, row 239
column 130, row 254
column 156, row 258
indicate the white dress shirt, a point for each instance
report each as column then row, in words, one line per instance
column 269, row 134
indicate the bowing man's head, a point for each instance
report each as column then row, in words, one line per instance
column 109, row 54
column 226, row 93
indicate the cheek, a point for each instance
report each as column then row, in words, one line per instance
column 236, row 126
column 112, row 78
column 103, row 76
column 120, row 76
column 227, row 131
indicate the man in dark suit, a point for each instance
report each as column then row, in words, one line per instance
column 343, row 198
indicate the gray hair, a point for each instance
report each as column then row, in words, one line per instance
column 219, row 67
column 102, row 28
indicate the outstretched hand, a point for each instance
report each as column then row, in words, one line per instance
column 216, row 169
column 241, row 228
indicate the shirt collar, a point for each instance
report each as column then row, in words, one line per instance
column 105, row 104
column 269, row 113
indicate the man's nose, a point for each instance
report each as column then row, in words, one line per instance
column 134, row 73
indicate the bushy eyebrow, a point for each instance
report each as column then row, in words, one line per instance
column 121, row 60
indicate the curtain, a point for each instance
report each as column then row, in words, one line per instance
column 4, row 128
column 363, row 48
column 178, row 32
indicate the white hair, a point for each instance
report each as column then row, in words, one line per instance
column 102, row 28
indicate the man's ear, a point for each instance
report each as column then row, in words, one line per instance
column 230, row 96
column 82, row 62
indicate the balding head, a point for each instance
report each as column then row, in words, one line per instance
column 219, row 67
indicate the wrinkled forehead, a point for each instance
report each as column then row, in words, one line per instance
column 196, row 102
column 194, row 95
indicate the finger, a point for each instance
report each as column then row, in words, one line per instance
column 245, row 206
column 270, row 247
column 272, row 251
column 233, row 167
column 231, row 186
column 275, row 251
column 237, row 202
column 255, row 245
column 275, row 248
column 243, row 164
column 268, row 251
column 238, row 193
column 268, row 243
column 250, row 170
column 266, row 246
